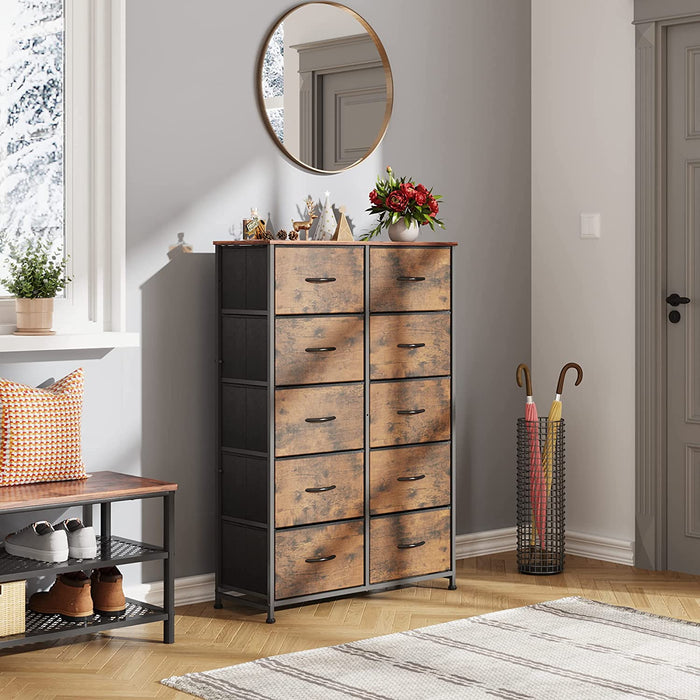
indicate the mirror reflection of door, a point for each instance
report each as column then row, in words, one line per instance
column 342, row 100
column 352, row 104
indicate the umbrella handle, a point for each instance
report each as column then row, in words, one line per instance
column 528, row 382
column 562, row 374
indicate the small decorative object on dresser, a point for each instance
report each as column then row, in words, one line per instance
column 403, row 206
column 36, row 275
column 343, row 231
column 254, row 227
column 326, row 223
column 306, row 225
column 335, row 450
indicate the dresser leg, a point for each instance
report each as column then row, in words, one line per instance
column 217, row 601
column 270, row 615
column 453, row 583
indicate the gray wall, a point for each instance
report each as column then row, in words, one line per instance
column 198, row 157
column 583, row 290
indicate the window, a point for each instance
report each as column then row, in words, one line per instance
column 31, row 133
column 62, row 149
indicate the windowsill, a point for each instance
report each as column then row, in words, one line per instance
column 69, row 341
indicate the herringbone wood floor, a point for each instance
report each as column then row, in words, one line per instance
column 129, row 663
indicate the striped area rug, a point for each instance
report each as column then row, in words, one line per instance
column 571, row 648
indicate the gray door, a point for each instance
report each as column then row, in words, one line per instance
column 683, row 279
column 353, row 112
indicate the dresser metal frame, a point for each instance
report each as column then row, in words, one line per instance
column 268, row 602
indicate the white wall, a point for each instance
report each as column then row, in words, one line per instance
column 583, row 115
column 199, row 156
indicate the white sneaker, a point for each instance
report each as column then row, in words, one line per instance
column 38, row 541
column 81, row 539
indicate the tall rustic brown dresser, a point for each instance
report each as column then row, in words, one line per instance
column 335, row 465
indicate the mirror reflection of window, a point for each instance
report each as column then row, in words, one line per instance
column 273, row 82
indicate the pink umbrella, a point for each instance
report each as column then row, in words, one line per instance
column 538, row 489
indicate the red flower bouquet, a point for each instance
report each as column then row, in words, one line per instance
column 400, row 198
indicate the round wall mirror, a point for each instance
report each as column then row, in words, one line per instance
column 324, row 86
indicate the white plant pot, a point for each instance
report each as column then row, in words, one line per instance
column 399, row 232
column 34, row 316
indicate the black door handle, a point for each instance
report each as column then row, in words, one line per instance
column 675, row 299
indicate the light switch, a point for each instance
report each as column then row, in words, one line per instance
column 590, row 225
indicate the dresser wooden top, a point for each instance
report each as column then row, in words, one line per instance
column 414, row 244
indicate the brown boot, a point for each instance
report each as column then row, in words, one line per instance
column 107, row 592
column 69, row 597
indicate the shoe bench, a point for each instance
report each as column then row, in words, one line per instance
column 104, row 488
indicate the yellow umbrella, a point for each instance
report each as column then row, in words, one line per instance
column 550, row 442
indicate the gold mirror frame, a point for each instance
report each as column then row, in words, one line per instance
column 387, row 74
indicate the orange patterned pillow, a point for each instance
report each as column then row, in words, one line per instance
column 41, row 431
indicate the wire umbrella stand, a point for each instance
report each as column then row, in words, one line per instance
column 540, row 496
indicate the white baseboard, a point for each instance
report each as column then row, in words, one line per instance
column 602, row 548
column 200, row 589
column 476, row 544
column 578, row 543
column 189, row 589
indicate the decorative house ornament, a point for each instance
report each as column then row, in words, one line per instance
column 253, row 227
column 342, row 230
column 180, row 247
column 327, row 223
column 306, row 225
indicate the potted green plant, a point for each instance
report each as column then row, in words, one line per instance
column 36, row 275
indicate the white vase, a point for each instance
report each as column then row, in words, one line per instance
column 399, row 231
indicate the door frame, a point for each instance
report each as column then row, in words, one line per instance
column 652, row 20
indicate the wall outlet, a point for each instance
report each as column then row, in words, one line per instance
column 590, row 225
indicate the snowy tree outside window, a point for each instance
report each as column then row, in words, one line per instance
column 31, row 125
column 273, row 82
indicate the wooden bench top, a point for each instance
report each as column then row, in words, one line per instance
column 97, row 487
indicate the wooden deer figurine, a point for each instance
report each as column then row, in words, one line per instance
column 306, row 225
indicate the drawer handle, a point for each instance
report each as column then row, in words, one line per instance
column 409, row 546
column 323, row 419
column 411, row 478
column 329, row 349
column 411, row 412
column 319, row 489
column 410, row 279
column 411, row 345
column 315, row 560
column 320, row 280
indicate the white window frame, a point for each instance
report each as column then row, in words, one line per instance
column 95, row 171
